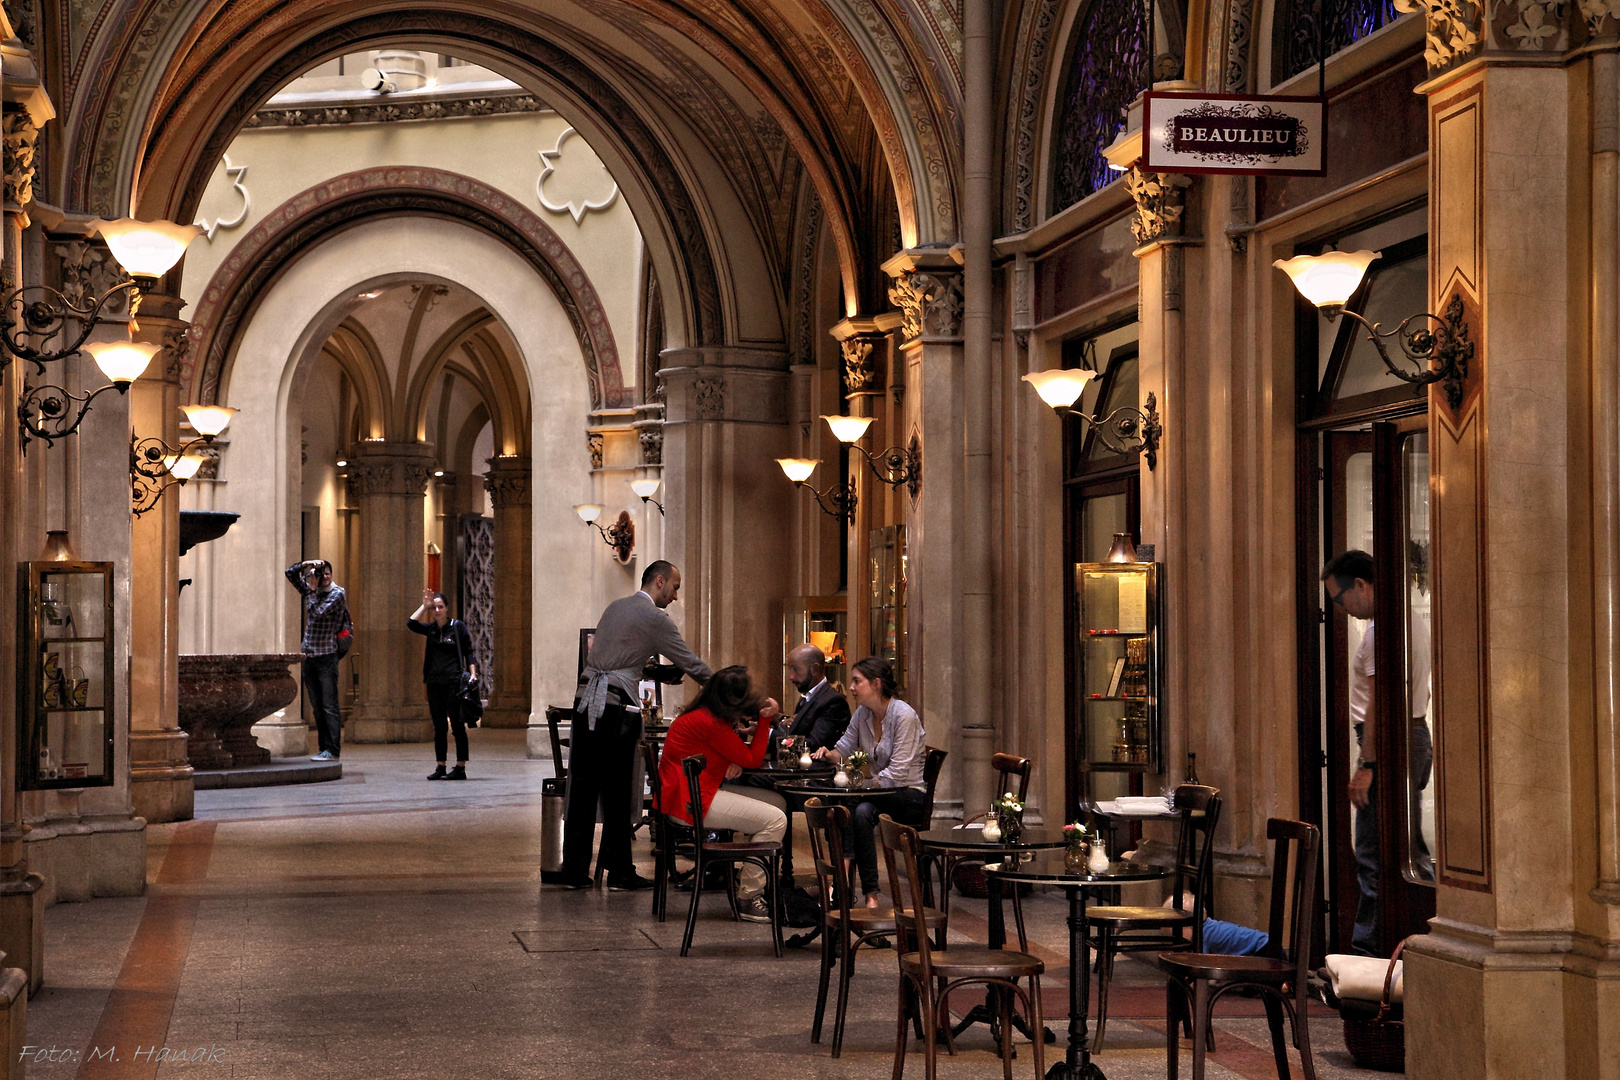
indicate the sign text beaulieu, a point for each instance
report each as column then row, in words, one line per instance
column 1226, row 133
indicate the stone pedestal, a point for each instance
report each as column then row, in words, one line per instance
column 13, row 1019
column 508, row 481
column 283, row 735
column 222, row 697
column 389, row 481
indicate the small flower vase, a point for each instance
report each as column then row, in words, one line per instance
column 1011, row 826
column 1074, row 859
column 841, row 778
column 1098, row 862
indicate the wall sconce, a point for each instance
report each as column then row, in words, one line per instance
column 838, row 502
column 645, row 488
column 620, row 536
column 155, row 466
column 1124, row 430
column 146, row 251
column 1438, row 355
column 901, row 464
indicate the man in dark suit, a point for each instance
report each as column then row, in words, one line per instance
column 822, row 713
column 821, row 717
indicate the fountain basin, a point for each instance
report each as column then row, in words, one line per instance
column 223, row 695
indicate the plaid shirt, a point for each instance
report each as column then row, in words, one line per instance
column 325, row 613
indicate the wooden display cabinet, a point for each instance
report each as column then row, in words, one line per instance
column 1118, row 670
column 65, row 675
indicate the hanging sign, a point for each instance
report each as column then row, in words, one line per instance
column 1229, row 133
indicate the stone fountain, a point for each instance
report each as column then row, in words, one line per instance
column 222, row 696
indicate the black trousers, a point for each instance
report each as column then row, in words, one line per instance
column 320, row 683
column 444, row 705
column 600, row 764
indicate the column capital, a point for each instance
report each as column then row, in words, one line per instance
column 1160, row 202
column 509, row 481
column 390, row 468
column 863, row 341
column 928, row 291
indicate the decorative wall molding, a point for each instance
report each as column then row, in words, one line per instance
column 593, row 444
column 237, row 175
column 1038, row 23
column 438, row 108
column 308, row 218
column 88, row 270
column 21, row 136
column 709, row 396
column 1159, row 204
column 1597, row 13
column 651, row 438
column 577, row 209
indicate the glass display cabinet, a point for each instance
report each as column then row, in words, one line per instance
column 886, row 606
column 65, row 673
column 822, row 621
column 1119, row 653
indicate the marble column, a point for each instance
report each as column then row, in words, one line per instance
column 1520, row 972
column 726, row 421
column 511, row 700
column 927, row 288
column 389, row 481
column 160, row 776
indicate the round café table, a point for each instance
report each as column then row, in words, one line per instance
column 950, row 845
column 1047, row 868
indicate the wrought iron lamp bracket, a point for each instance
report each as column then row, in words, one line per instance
column 838, row 501
column 1127, row 429
column 47, row 318
column 649, row 499
column 149, row 476
column 1440, row 354
column 900, row 464
column 45, row 413
column 619, row 537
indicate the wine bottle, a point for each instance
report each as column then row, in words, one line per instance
column 1192, row 767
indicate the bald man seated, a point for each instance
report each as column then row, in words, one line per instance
column 822, row 713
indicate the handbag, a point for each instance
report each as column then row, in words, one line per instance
column 472, row 706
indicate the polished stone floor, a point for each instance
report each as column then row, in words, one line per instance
column 383, row 926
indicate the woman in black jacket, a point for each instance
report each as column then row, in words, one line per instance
column 449, row 653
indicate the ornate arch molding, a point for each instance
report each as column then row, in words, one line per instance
column 94, row 169
column 307, row 219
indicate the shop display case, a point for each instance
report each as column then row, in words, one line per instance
column 822, row 621
column 1119, row 669
column 65, row 673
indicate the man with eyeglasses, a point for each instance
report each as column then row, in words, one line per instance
column 1348, row 581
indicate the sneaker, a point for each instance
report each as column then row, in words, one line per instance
column 566, row 880
column 324, row 755
column 457, row 773
column 628, row 882
column 438, row 774
column 757, row 909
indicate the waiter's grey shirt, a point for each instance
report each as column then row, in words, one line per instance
column 629, row 633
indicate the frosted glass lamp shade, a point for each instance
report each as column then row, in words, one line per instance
column 645, row 487
column 147, row 249
column 798, row 470
column 588, row 512
column 122, row 361
column 186, row 467
column 1060, row 387
column 208, row 420
column 848, row 429
column 1328, row 279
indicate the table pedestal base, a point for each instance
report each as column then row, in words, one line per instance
column 1064, row 1071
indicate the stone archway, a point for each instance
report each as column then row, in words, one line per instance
column 343, row 201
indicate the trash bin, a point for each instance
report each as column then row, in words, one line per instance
column 552, row 793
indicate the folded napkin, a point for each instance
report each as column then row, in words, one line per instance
column 1361, row 978
column 1142, row 804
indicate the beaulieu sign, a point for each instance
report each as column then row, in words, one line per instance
column 1226, row 133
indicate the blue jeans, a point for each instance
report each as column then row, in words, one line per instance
column 1364, row 938
column 321, row 685
column 905, row 806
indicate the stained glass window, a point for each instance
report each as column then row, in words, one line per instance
column 1294, row 46
column 1105, row 75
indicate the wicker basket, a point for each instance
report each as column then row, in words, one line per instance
column 1375, row 1033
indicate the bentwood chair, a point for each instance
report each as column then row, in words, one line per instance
column 928, row 975
column 669, row 837
column 763, row 854
column 1012, row 774
column 845, row 926
column 932, row 765
column 1197, row 980
column 1116, row 928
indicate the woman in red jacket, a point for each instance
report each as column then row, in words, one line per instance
column 710, row 726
